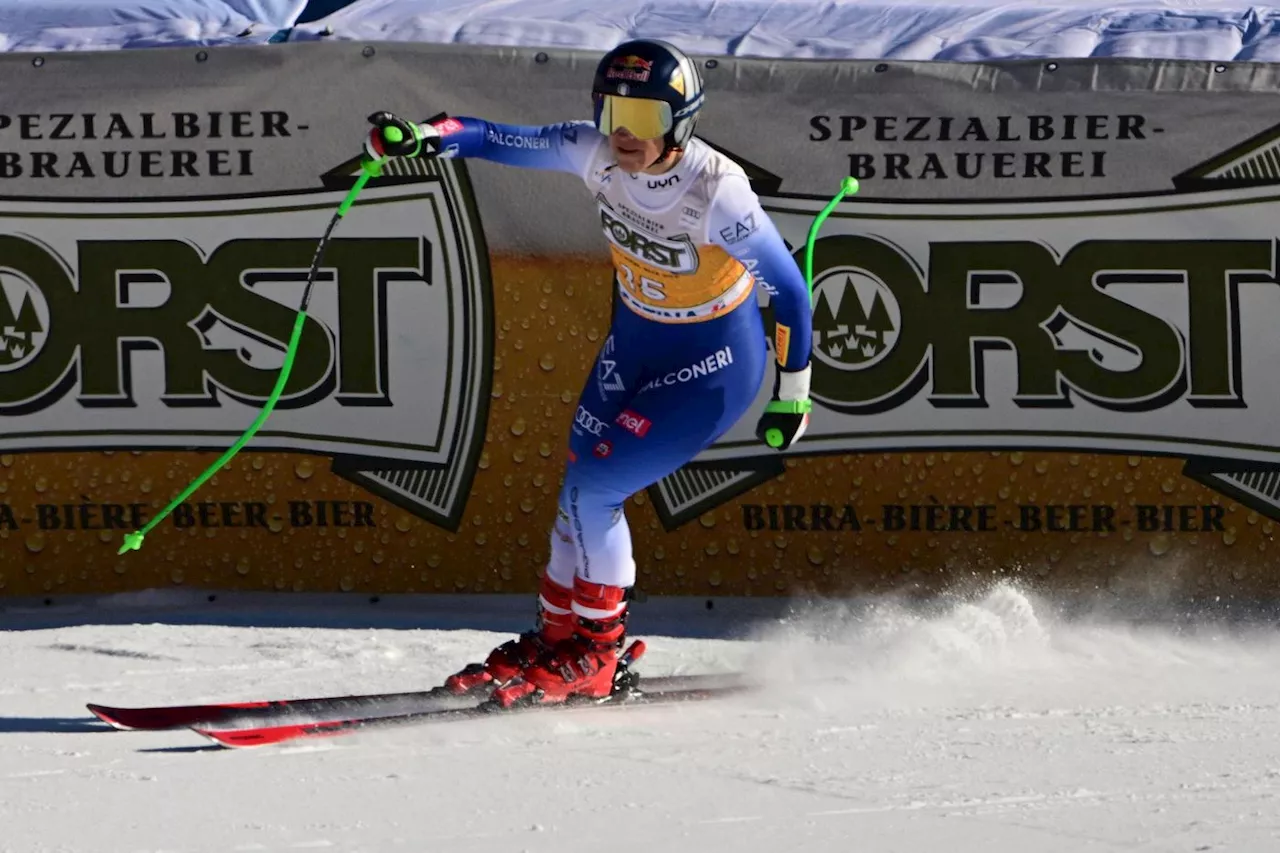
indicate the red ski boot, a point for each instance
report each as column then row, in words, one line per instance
column 583, row 665
column 554, row 625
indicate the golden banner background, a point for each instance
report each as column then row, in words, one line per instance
column 551, row 316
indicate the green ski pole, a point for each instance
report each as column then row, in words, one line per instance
column 847, row 187
column 368, row 169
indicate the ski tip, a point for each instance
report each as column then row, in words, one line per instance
column 230, row 738
column 108, row 716
column 269, row 735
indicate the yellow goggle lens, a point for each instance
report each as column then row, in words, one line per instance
column 643, row 118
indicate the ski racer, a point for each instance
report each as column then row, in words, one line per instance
column 685, row 355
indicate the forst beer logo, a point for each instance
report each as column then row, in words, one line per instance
column 855, row 318
column 24, row 320
column 1063, row 313
column 1139, row 324
column 163, row 324
column 677, row 255
column 211, row 338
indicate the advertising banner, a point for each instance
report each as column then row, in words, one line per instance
column 1041, row 329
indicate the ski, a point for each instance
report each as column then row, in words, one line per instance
column 259, row 714
column 240, row 738
column 160, row 717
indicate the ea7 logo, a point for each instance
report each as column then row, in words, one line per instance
column 607, row 379
column 740, row 230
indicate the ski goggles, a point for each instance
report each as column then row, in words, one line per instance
column 643, row 118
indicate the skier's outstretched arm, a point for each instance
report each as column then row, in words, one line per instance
column 742, row 228
column 564, row 147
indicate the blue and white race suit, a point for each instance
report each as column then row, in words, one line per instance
column 686, row 358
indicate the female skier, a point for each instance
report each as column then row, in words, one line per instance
column 685, row 354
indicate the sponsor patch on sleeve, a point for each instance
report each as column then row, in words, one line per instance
column 782, row 342
column 447, row 126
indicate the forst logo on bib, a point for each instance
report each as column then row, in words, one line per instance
column 678, row 256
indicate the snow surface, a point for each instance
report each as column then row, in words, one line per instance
column 952, row 30
column 48, row 25
column 993, row 723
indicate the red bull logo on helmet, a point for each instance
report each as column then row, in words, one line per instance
column 631, row 68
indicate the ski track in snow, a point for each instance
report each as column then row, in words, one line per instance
column 982, row 725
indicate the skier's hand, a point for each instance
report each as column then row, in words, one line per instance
column 786, row 417
column 393, row 136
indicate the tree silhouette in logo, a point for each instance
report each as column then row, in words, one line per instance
column 18, row 334
column 851, row 334
column 824, row 325
column 7, row 327
column 879, row 324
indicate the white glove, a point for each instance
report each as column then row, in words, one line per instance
column 786, row 417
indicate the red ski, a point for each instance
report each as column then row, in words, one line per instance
column 240, row 713
column 624, row 698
